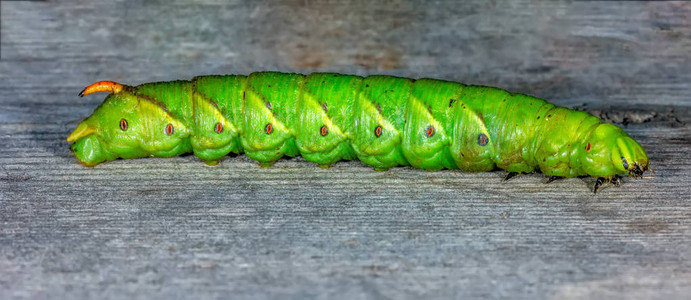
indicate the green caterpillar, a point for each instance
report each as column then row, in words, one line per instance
column 383, row 121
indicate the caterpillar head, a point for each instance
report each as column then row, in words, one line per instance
column 609, row 151
column 127, row 125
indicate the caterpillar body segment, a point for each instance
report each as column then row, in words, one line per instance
column 383, row 121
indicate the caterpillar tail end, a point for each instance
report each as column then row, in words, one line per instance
column 102, row 86
column 90, row 151
column 82, row 130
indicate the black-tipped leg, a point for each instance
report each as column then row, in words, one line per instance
column 510, row 175
column 637, row 172
column 553, row 179
column 616, row 180
column 598, row 183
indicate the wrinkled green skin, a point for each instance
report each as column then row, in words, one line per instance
column 524, row 134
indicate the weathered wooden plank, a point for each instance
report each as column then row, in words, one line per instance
column 175, row 228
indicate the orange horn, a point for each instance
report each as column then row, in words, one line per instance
column 102, row 86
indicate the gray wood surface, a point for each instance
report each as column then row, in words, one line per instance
column 176, row 228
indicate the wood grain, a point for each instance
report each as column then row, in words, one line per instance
column 176, row 228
